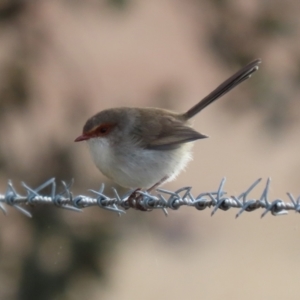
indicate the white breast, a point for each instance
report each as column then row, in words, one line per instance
column 134, row 167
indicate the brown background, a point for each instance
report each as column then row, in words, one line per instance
column 62, row 61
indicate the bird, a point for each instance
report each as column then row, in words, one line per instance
column 143, row 148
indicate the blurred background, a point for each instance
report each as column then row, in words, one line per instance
column 62, row 61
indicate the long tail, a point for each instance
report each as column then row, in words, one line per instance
column 224, row 88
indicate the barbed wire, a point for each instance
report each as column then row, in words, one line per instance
column 144, row 201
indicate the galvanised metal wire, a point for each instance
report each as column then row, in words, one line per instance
column 162, row 199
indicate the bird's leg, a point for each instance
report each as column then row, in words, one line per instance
column 153, row 187
column 135, row 198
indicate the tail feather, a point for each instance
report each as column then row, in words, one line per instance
column 224, row 88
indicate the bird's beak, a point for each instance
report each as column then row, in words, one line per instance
column 82, row 137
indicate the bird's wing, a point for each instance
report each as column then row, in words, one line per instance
column 167, row 134
column 174, row 138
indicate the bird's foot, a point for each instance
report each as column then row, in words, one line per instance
column 134, row 201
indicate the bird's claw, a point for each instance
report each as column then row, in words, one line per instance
column 135, row 201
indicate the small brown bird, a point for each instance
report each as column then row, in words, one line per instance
column 145, row 147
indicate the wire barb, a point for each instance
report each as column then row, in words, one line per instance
column 163, row 199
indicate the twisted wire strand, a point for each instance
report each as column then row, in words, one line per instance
column 163, row 199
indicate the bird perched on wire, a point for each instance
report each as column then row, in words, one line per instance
column 142, row 148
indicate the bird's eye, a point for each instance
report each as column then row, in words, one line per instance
column 103, row 129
